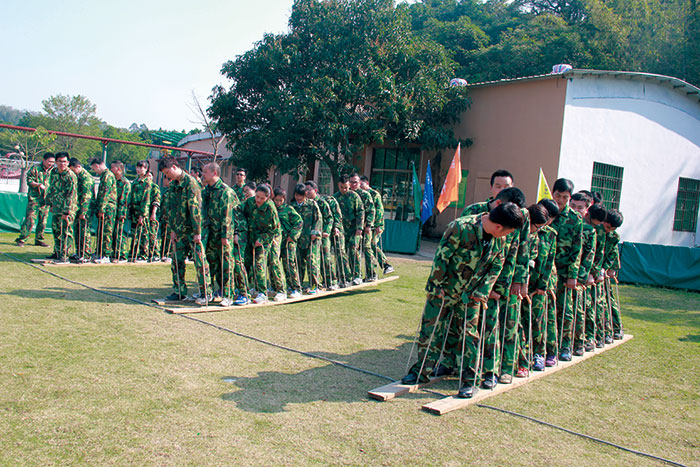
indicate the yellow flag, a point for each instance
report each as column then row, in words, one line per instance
column 542, row 188
column 450, row 190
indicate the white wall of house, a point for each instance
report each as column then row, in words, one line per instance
column 651, row 130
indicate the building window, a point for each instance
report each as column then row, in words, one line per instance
column 392, row 176
column 607, row 180
column 686, row 217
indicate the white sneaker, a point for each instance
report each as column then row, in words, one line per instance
column 295, row 294
column 356, row 281
column 280, row 297
column 333, row 287
column 226, row 302
column 203, row 301
column 260, row 298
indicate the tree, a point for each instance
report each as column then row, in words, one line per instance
column 27, row 146
column 209, row 125
column 347, row 74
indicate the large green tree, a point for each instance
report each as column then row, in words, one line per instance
column 347, row 74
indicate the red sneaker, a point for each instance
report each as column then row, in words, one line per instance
column 522, row 372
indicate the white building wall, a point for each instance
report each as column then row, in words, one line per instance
column 649, row 129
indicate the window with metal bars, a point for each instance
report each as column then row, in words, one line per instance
column 686, row 216
column 607, row 180
column 392, row 177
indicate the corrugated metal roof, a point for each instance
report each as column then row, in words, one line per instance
column 677, row 84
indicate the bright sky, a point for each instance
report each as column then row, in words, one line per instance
column 138, row 61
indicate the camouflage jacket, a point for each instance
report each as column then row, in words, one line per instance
column 520, row 271
column 165, row 203
column 291, row 222
column 86, row 186
column 352, row 211
column 326, row 213
column 335, row 210
column 599, row 250
column 140, row 198
column 218, row 202
column 378, row 208
column 264, row 223
column 63, row 192
column 185, row 216
column 611, row 259
column 368, row 206
column 544, row 261
column 313, row 221
column 107, row 192
column 569, row 227
column 476, row 208
column 37, row 174
column 123, row 192
column 467, row 261
column 588, row 244
column 238, row 189
column 155, row 198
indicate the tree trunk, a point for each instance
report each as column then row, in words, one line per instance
column 23, row 187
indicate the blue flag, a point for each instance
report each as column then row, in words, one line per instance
column 428, row 203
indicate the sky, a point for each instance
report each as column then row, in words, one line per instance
column 138, row 61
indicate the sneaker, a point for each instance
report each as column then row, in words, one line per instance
column 538, row 365
column 260, row 298
column 550, row 361
column 578, row 352
column 371, row 279
column 333, row 287
column 311, row 291
column 608, row 340
column 105, row 260
column 589, row 346
column 522, row 372
column 343, row 285
column 203, row 301
column 490, row 381
column 226, row 302
column 41, row 243
column 253, row 293
column 73, row 257
column 565, row 355
column 241, row 300
column 388, row 269
column 280, row 297
column 174, row 297
column 19, row 242
column 356, row 281
column 295, row 294
column 141, row 260
column 618, row 335
column 599, row 344
column 83, row 260
column 166, row 260
column 505, row 378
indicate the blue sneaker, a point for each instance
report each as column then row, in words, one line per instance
column 539, row 363
column 565, row 355
column 241, row 300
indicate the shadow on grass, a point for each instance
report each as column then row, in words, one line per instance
column 86, row 295
column 691, row 338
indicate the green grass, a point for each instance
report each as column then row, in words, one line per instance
column 92, row 379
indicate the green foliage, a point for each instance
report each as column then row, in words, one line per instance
column 10, row 115
column 348, row 73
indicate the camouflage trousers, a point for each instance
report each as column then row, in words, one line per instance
column 104, row 234
column 582, row 305
column 528, row 319
column 221, row 265
column 565, row 313
column 552, row 335
column 539, row 324
column 62, row 235
column 120, row 244
column 614, row 306
column 291, row 268
column 140, row 239
column 328, row 272
column 35, row 209
column 153, row 239
column 352, row 248
column 492, row 332
column 165, row 245
column 377, row 249
column 81, row 233
column 370, row 261
column 240, row 276
column 447, row 326
column 182, row 247
column 266, row 263
column 603, row 316
column 309, row 260
column 341, row 257
column 509, row 315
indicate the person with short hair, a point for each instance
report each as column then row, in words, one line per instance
column 292, row 225
column 309, row 247
column 119, row 243
column 353, row 213
column 185, row 221
column 598, row 214
column 63, row 194
column 105, row 209
column 81, row 225
column 138, row 208
column 328, row 272
column 240, row 182
column 466, row 265
column 611, row 265
column 37, row 203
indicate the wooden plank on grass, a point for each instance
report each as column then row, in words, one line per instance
column 396, row 389
column 49, row 262
column 303, row 298
column 448, row 404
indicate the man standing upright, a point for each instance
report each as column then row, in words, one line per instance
column 37, row 202
column 139, row 207
column 240, row 184
column 63, row 194
column 353, row 223
column 123, row 189
column 81, row 227
column 105, row 208
column 368, row 229
column 378, row 226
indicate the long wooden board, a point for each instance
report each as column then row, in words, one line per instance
column 397, row 388
column 303, row 298
column 451, row 403
column 49, row 262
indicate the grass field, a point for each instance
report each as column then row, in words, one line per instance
column 93, row 379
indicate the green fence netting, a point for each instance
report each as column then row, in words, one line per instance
column 667, row 266
column 12, row 209
column 400, row 236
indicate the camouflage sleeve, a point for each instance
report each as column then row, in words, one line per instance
column 337, row 213
column 155, row 196
column 503, row 281
column 240, row 223
column 523, row 254
column 145, row 205
column 369, row 211
column 587, row 254
column 474, row 209
column 599, row 251
column 327, row 216
column 575, row 251
column 450, row 243
column 101, row 195
column 297, row 224
column 123, row 201
column 33, row 176
column 359, row 210
column 193, row 199
column 226, row 228
column 85, row 191
column 70, row 195
column 271, row 221
column 379, row 211
column 492, row 272
column 543, row 265
column 612, row 255
column 549, row 274
column 317, row 220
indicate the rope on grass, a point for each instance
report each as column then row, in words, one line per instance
column 345, row 365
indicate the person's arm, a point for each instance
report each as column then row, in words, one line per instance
column 297, row 224
column 449, row 244
column 193, row 199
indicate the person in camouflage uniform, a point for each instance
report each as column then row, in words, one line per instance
column 119, row 243
column 340, row 256
column 265, row 236
column 378, row 226
column 218, row 203
column 105, row 208
column 81, row 226
column 368, row 231
column 611, row 265
column 139, row 209
column 240, row 183
column 165, row 244
column 309, row 247
column 292, row 225
column 240, row 240
column 153, row 224
column 353, row 214
column 328, row 272
column 63, row 195
column 37, row 202
column 185, row 221
column 597, row 291
column 569, row 227
column 467, row 263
